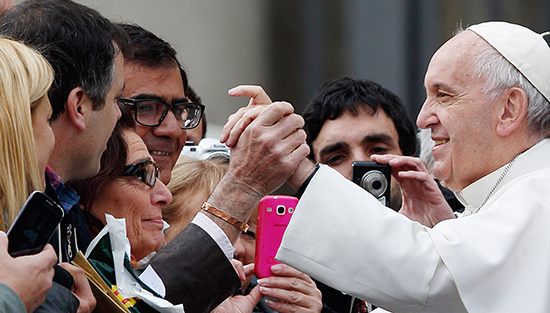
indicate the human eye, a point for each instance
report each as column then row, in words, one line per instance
column 134, row 180
column 180, row 112
column 249, row 235
column 379, row 150
column 334, row 159
column 146, row 108
column 444, row 96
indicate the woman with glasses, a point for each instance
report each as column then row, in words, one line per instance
column 127, row 187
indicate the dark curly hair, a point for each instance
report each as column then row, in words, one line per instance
column 350, row 95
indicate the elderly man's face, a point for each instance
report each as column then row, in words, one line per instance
column 461, row 116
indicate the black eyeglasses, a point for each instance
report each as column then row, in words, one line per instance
column 147, row 171
column 151, row 112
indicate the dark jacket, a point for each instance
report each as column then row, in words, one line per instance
column 195, row 271
column 72, row 234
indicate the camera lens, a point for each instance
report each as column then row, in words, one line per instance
column 374, row 182
column 280, row 209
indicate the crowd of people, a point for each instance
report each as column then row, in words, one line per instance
column 95, row 115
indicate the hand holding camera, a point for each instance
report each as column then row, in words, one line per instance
column 422, row 198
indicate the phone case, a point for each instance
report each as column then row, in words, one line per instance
column 34, row 225
column 274, row 213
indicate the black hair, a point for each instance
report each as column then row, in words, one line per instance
column 149, row 50
column 352, row 95
column 75, row 39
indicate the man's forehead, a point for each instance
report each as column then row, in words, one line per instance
column 363, row 116
column 159, row 73
column 462, row 45
column 350, row 128
column 164, row 83
column 454, row 59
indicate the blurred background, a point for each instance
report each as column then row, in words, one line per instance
column 291, row 47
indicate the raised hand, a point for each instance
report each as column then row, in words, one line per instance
column 237, row 122
column 268, row 145
column 270, row 148
column 422, row 199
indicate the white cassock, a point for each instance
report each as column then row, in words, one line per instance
column 495, row 260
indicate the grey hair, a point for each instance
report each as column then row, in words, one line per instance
column 501, row 75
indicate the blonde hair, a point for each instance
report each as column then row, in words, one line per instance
column 192, row 178
column 25, row 77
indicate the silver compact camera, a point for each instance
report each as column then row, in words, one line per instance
column 374, row 178
column 208, row 148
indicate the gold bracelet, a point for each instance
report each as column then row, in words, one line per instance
column 224, row 216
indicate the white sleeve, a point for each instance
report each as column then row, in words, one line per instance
column 342, row 236
column 216, row 233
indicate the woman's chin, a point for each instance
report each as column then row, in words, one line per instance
column 152, row 243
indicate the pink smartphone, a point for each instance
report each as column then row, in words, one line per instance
column 274, row 213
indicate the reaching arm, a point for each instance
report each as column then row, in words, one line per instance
column 267, row 143
column 422, row 199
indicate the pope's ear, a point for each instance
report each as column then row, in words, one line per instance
column 513, row 111
column 77, row 107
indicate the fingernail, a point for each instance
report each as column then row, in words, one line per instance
column 262, row 281
column 276, row 268
column 231, row 91
column 265, row 290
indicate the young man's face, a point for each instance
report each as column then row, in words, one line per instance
column 166, row 140
column 355, row 138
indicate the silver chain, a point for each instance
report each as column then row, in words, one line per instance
column 504, row 172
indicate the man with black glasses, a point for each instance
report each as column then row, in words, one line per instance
column 159, row 122
column 154, row 91
column 195, row 266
